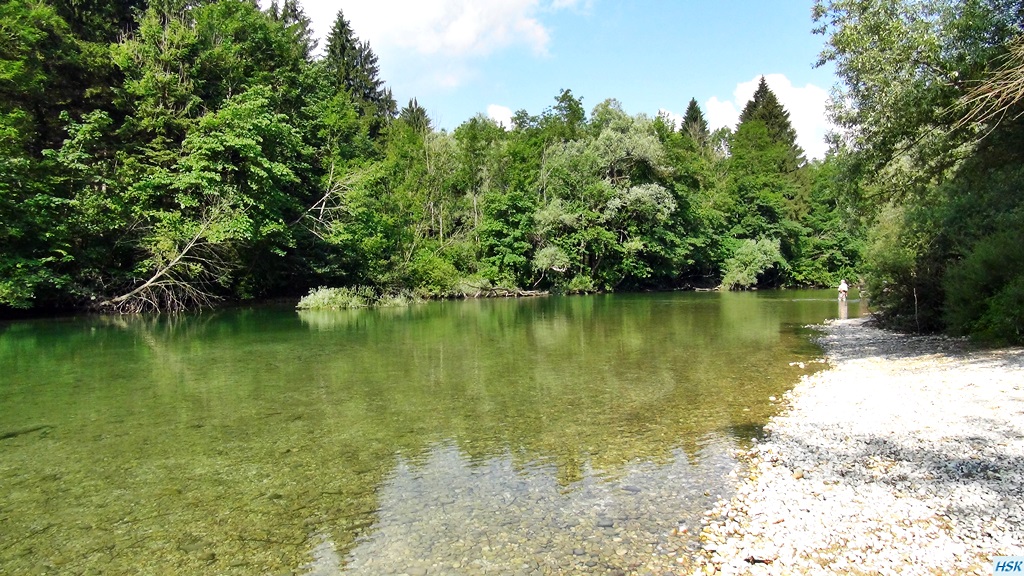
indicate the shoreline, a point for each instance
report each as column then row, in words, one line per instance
column 904, row 456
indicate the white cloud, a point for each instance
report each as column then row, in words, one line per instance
column 806, row 106
column 719, row 113
column 500, row 114
column 451, row 28
column 580, row 5
column 436, row 44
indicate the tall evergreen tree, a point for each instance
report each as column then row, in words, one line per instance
column 295, row 21
column 694, row 125
column 416, row 116
column 353, row 67
column 340, row 55
column 765, row 106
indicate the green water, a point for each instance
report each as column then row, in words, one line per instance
column 254, row 441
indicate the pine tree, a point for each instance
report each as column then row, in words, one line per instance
column 765, row 107
column 416, row 116
column 340, row 57
column 295, row 20
column 353, row 67
column 694, row 125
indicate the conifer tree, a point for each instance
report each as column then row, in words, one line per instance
column 295, row 20
column 353, row 67
column 340, row 56
column 765, row 107
column 416, row 116
column 694, row 125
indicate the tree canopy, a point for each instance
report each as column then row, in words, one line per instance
column 932, row 125
column 168, row 156
column 214, row 157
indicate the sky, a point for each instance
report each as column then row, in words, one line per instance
column 460, row 58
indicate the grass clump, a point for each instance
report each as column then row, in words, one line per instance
column 324, row 298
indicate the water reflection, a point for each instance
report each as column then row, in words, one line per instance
column 450, row 514
column 232, row 442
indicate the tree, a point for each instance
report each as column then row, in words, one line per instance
column 477, row 140
column 832, row 243
column 232, row 207
column 942, row 178
column 604, row 220
column 697, row 178
column 566, row 119
column 415, row 116
column 1000, row 94
column 750, row 262
column 765, row 182
column 294, row 18
column 342, row 53
column 764, row 106
column 353, row 67
column 40, row 60
column 694, row 125
column 903, row 66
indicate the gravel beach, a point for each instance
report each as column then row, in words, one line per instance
column 905, row 456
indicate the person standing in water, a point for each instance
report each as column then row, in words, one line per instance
column 843, row 289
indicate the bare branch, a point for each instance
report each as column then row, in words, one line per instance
column 186, row 281
column 993, row 99
column 331, row 206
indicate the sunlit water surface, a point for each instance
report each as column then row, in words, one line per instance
column 545, row 435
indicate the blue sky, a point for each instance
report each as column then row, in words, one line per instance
column 463, row 57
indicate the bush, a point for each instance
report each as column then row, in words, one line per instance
column 400, row 298
column 472, row 286
column 985, row 291
column 432, row 275
column 580, row 284
column 904, row 264
column 323, row 298
column 750, row 261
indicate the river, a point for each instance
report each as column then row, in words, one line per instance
column 544, row 435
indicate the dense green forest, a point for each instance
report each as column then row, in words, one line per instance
column 172, row 155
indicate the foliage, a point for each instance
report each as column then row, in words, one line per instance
column 170, row 156
column 764, row 107
column 900, row 282
column 752, row 259
column 352, row 67
column 830, row 245
column 986, row 289
column 935, row 145
column 694, row 125
column 904, row 66
column 173, row 155
column 323, row 298
column 416, row 116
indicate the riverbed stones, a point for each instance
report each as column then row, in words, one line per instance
column 494, row 517
column 917, row 460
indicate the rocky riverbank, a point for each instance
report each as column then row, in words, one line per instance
column 906, row 456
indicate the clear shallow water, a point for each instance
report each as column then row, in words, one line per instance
column 551, row 434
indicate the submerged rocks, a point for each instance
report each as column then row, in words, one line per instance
column 498, row 517
column 907, row 456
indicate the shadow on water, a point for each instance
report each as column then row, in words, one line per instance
column 236, row 442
